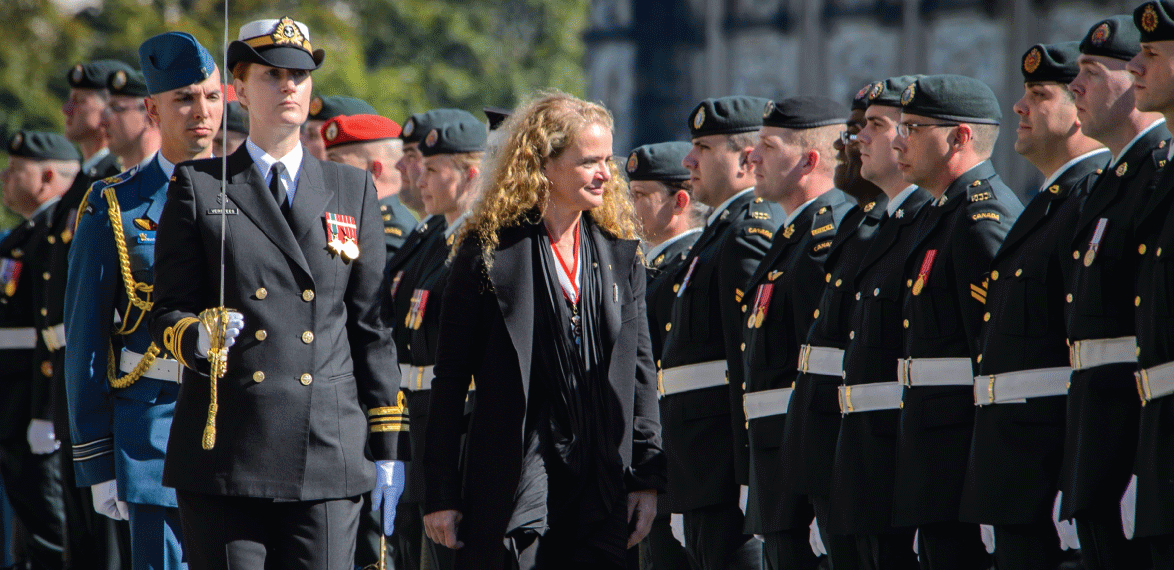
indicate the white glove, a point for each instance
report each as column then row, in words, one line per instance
column 389, row 485
column 236, row 323
column 988, row 537
column 816, row 540
column 106, row 501
column 1065, row 529
column 1129, row 508
column 42, row 438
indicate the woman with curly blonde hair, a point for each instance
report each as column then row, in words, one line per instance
column 545, row 308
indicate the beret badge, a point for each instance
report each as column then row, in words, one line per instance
column 1101, row 34
column 430, row 140
column 119, row 80
column 17, row 141
column 315, row 105
column 633, row 162
column 331, row 131
column 770, row 107
column 907, row 94
column 1032, row 60
column 77, row 73
column 877, row 89
column 1149, row 18
column 864, row 91
column 409, row 127
column 699, row 118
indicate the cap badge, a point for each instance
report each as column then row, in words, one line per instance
column 315, row 105
column 877, row 89
column 1031, row 62
column 77, row 74
column 699, row 118
column 770, row 107
column 1121, row 170
column 907, row 94
column 119, row 80
column 287, row 32
column 1149, row 18
column 633, row 162
column 409, row 126
column 332, row 131
column 430, row 140
column 1101, row 34
column 17, row 141
column 864, row 91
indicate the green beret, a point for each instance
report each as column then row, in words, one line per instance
column 887, row 93
column 952, row 98
column 1114, row 37
column 93, row 75
column 660, row 161
column 803, row 112
column 727, row 116
column 326, row 107
column 1153, row 20
column 860, row 100
column 1051, row 63
column 40, row 145
column 459, row 134
column 418, row 125
column 127, row 83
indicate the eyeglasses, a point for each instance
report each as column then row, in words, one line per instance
column 847, row 138
column 903, row 129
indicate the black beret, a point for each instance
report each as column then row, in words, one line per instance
column 418, row 125
column 726, row 116
column 1114, row 37
column 237, row 120
column 1153, row 21
column 887, row 93
column 1051, row 62
column 283, row 43
column 660, row 161
column 127, row 83
column 326, row 107
column 461, row 132
column 42, row 146
column 952, row 98
column 860, row 100
column 93, row 75
column 804, row 112
column 496, row 116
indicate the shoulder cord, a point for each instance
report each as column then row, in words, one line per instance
column 132, row 288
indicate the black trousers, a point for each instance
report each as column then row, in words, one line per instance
column 1162, row 551
column 33, row 484
column 841, row 548
column 886, row 551
column 1027, row 546
column 714, row 539
column 951, row 546
column 223, row 533
column 788, row 550
column 660, row 549
column 522, row 553
column 1102, row 541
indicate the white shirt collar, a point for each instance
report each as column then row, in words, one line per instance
column 717, row 212
column 456, row 224
column 1134, row 140
column 1060, row 171
column 94, row 160
column 899, row 199
column 167, row 166
column 656, row 249
column 798, row 211
column 292, row 161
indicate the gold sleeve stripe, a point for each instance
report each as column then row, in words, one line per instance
column 389, row 427
column 385, row 410
column 173, row 338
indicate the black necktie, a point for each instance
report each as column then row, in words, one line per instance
column 275, row 187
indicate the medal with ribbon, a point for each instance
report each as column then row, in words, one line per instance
column 761, row 303
column 415, row 316
column 399, row 275
column 10, row 275
column 342, row 235
column 1095, row 243
column 923, row 274
column 688, row 275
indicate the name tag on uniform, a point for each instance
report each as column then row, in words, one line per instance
column 218, row 211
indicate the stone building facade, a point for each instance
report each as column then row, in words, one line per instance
column 651, row 61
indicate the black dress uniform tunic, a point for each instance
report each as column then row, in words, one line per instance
column 398, row 222
column 942, row 310
column 1016, row 448
column 662, row 270
column 865, row 456
column 1103, row 407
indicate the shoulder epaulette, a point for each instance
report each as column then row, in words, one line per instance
column 758, row 209
column 823, row 222
column 979, row 191
column 116, row 179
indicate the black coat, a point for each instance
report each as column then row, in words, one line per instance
column 1101, row 431
column 943, row 320
column 398, row 222
column 866, row 449
column 291, row 422
column 793, row 271
column 662, row 271
column 1016, row 449
column 487, row 333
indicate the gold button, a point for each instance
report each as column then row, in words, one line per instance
column 261, row 293
column 1141, row 249
column 44, row 312
column 743, row 347
column 1137, row 351
column 51, row 239
column 306, row 379
column 986, row 317
column 307, row 295
column 851, row 335
column 1158, row 253
column 817, row 313
column 743, row 308
column 668, row 327
column 979, row 359
column 858, row 296
column 1137, row 301
column 908, row 282
column 258, row 376
column 261, row 334
column 1076, row 255
column 1069, row 297
column 994, row 276
column 876, row 291
column 676, row 287
column 828, row 279
column 45, row 276
column 906, row 323
column 839, row 282
column 1018, row 272
column 307, row 337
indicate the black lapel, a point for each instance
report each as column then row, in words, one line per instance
column 615, row 262
column 891, row 229
column 248, row 192
column 1049, row 199
column 512, row 276
column 309, row 206
column 1106, row 188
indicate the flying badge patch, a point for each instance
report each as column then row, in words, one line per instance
column 146, row 224
column 923, row 274
column 415, row 316
column 342, row 235
column 10, row 275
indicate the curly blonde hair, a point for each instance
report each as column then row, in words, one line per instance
column 514, row 189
